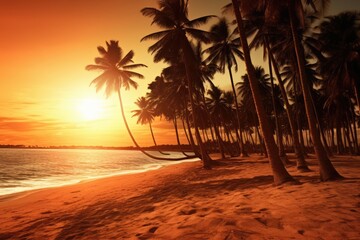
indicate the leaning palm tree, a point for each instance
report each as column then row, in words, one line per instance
column 326, row 168
column 117, row 73
column 224, row 50
column 279, row 172
column 173, row 43
column 275, row 13
column 244, row 90
column 265, row 36
column 145, row 116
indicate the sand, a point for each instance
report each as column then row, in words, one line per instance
column 235, row 200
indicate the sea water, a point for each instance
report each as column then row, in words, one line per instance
column 28, row 169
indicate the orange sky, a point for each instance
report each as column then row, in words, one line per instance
column 44, row 87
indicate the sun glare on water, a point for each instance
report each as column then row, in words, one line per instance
column 90, row 109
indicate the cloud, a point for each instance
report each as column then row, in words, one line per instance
column 17, row 103
column 26, row 103
column 4, row 119
column 24, row 124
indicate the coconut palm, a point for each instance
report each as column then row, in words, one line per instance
column 145, row 115
column 264, row 36
column 279, row 172
column 173, row 42
column 244, row 90
column 223, row 52
column 219, row 110
column 117, row 73
column 285, row 13
column 174, row 99
column 339, row 46
column 327, row 170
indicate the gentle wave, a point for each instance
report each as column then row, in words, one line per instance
column 29, row 169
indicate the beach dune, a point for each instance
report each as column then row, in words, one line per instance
column 235, row 200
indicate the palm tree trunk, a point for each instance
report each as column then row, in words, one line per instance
column 213, row 124
column 253, row 142
column 321, row 131
column 339, row 143
column 350, row 133
column 152, row 135
column 282, row 153
column 134, row 141
column 279, row 172
column 261, row 143
column 190, row 137
column 239, row 137
column 300, row 159
column 332, row 137
column 177, row 137
column 219, row 140
column 356, row 94
column 347, row 135
column 327, row 170
column 301, row 135
column 355, row 134
column 187, row 57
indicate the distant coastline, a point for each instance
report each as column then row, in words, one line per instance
column 150, row 148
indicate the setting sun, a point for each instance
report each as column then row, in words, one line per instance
column 90, row 109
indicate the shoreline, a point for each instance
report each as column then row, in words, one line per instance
column 20, row 194
column 35, row 183
column 235, row 200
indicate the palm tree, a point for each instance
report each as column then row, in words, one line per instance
column 223, row 52
column 267, row 36
column 117, row 73
column 173, row 43
column 300, row 160
column 145, row 116
column 244, row 90
column 339, row 51
column 327, row 170
column 218, row 109
column 276, row 13
column 279, row 172
column 174, row 99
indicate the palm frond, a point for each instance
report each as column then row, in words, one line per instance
column 199, row 21
column 92, row 67
column 127, row 82
column 102, row 61
column 133, row 66
column 235, row 49
column 233, row 61
column 155, row 36
column 199, row 35
column 160, row 18
column 111, row 86
column 125, row 60
column 133, row 74
column 101, row 50
column 99, row 81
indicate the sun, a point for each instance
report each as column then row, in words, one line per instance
column 90, row 109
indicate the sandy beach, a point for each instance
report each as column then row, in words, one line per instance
column 235, row 200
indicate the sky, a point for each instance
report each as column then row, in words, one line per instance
column 45, row 97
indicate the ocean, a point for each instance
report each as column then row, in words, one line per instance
column 29, row 169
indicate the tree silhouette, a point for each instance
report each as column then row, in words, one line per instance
column 117, row 73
